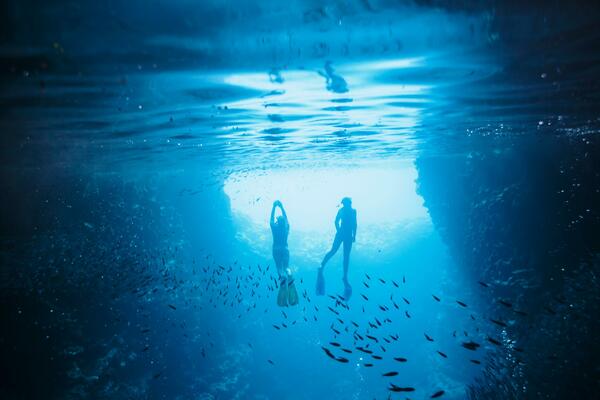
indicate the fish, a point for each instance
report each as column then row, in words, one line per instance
column 382, row 281
column 394, row 388
column 395, row 284
column 435, row 297
column 271, row 362
column 342, row 359
column 405, row 300
column 329, row 353
column 471, row 345
column 493, row 341
column 407, row 314
column 505, row 303
column 335, row 344
column 442, row 354
column 172, row 306
column 377, row 357
column 372, row 338
column 400, row 359
column 483, row 284
column 347, row 351
column 367, row 275
column 396, row 305
column 500, row 323
column 367, row 365
column 354, row 323
column 391, row 373
column 364, row 350
column 403, row 279
column 366, row 285
column 364, row 297
column 549, row 310
column 475, row 362
column 521, row 313
column 429, row 338
column 333, row 311
column 437, row 394
column 461, row 303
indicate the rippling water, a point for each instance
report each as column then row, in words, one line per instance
column 138, row 182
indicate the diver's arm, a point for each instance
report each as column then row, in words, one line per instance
column 287, row 223
column 355, row 226
column 338, row 218
column 272, row 220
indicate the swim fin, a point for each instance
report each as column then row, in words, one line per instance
column 320, row 283
column 292, row 293
column 282, row 296
column 347, row 291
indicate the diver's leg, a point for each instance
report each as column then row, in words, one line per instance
column 285, row 262
column 278, row 263
column 347, row 248
column 334, row 248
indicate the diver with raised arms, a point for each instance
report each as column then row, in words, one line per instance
column 280, row 228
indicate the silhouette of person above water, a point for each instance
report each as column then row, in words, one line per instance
column 345, row 227
column 280, row 228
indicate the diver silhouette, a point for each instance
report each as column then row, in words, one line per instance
column 345, row 227
column 280, row 228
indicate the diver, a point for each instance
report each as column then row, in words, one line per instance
column 281, row 228
column 345, row 227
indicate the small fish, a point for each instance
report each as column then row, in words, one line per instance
column 395, row 284
column 329, row 353
column 347, row 351
column 521, row 313
column 377, row 357
column 549, row 310
column 475, row 362
column 276, row 327
column 364, row 297
column 403, row 279
column 461, row 303
column 382, row 281
column 406, row 300
column 335, row 344
column 437, row 394
column 366, row 285
column 483, row 284
column 372, row 338
column 400, row 359
column 429, row 338
column 342, row 359
column 394, row 388
column 500, row 323
column 494, row 341
column 271, row 362
column 391, row 373
column 442, row 354
column 367, row 275
column 368, row 365
column 364, row 350
column 157, row 375
column 471, row 345
column 505, row 303
column 435, row 297
column 354, row 323
column 172, row 306
column 407, row 314
column 333, row 311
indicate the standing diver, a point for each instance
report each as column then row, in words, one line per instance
column 345, row 227
column 281, row 228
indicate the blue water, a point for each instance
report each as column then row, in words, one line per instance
column 140, row 160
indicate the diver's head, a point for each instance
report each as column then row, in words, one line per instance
column 347, row 202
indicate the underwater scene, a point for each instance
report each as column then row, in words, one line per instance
column 336, row 199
